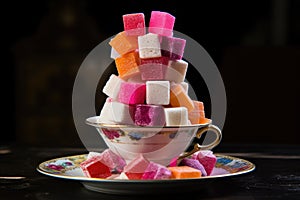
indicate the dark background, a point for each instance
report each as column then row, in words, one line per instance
column 255, row 45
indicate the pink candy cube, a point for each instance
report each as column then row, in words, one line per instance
column 149, row 115
column 132, row 93
column 207, row 159
column 115, row 162
column 156, row 171
column 136, row 168
column 161, row 23
column 102, row 165
column 134, row 24
column 195, row 164
column 153, row 68
column 173, row 47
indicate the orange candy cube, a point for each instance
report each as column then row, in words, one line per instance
column 197, row 115
column 179, row 98
column 123, row 43
column 127, row 65
column 179, row 172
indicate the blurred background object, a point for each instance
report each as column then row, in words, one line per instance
column 255, row 44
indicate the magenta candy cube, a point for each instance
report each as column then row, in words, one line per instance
column 157, row 60
column 207, row 159
column 194, row 163
column 132, row 93
column 134, row 24
column 178, row 48
column 173, row 47
column 173, row 162
column 166, row 46
column 153, row 68
column 150, row 72
column 161, row 23
column 149, row 115
column 155, row 171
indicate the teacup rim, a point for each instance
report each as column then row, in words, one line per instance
column 94, row 121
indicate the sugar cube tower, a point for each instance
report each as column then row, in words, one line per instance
column 149, row 90
column 150, row 87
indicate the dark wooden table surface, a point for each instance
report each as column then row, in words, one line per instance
column 277, row 176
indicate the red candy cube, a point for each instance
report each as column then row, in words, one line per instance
column 94, row 168
column 136, row 168
column 134, row 24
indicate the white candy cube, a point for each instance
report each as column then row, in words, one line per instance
column 114, row 54
column 185, row 86
column 121, row 113
column 158, row 92
column 112, row 86
column 114, row 112
column 106, row 112
column 176, row 116
column 149, row 46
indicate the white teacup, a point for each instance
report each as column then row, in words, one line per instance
column 157, row 144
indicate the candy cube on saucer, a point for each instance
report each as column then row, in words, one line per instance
column 173, row 162
column 207, row 159
column 95, row 168
column 121, row 176
column 179, row 172
column 194, row 163
column 156, row 171
column 136, row 167
column 115, row 162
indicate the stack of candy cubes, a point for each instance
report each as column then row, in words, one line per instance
column 150, row 87
column 149, row 90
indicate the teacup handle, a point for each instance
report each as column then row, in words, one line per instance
column 198, row 147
